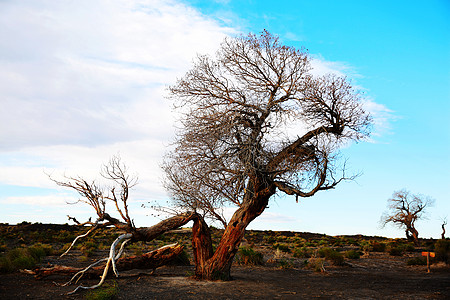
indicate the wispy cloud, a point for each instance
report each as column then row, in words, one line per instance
column 93, row 72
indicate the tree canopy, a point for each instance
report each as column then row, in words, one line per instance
column 254, row 111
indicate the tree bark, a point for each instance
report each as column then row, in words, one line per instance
column 413, row 235
column 201, row 245
column 219, row 265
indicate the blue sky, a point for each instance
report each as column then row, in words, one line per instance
column 82, row 81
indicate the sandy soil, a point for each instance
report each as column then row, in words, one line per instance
column 378, row 276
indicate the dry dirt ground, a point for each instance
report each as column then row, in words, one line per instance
column 378, row 276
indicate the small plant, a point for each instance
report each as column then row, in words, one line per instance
column 270, row 239
column 105, row 292
column 285, row 264
column 282, row 247
column 21, row 258
column 332, row 255
column 378, row 247
column 353, row 254
column 248, row 256
column 302, row 252
column 317, row 264
column 410, row 248
column 396, row 250
column 88, row 248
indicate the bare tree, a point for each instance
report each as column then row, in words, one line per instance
column 444, row 223
column 99, row 198
column 255, row 121
column 404, row 210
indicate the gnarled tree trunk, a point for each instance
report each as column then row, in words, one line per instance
column 219, row 264
column 413, row 235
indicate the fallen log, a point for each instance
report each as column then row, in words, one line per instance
column 149, row 260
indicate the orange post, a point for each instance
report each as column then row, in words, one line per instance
column 428, row 255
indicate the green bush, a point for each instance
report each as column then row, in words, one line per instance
column 21, row 258
column 285, row 264
column 442, row 249
column 282, row 247
column 88, row 248
column 105, row 292
column 332, row 255
column 302, row 252
column 417, row 261
column 377, row 247
column 396, row 249
column 248, row 256
column 410, row 248
column 353, row 254
column 270, row 239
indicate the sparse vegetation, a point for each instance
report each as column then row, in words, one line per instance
column 23, row 258
column 335, row 257
column 353, row 254
column 248, row 256
column 442, row 249
column 378, row 247
column 107, row 291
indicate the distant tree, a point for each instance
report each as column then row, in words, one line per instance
column 255, row 122
column 404, row 210
column 444, row 222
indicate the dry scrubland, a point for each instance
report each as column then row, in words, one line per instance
column 269, row 264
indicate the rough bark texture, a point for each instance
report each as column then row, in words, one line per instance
column 201, row 245
column 412, row 235
column 219, row 265
column 150, row 233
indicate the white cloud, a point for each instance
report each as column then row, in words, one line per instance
column 382, row 117
column 81, row 81
column 320, row 66
column 48, row 200
column 93, row 72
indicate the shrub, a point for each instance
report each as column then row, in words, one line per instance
column 285, row 264
column 248, row 256
column 442, row 249
column 396, row 250
column 21, row 258
column 332, row 255
column 377, row 247
column 282, row 247
column 316, row 264
column 302, row 252
column 105, row 292
column 353, row 254
column 410, row 248
column 88, row 248
column 417, row 261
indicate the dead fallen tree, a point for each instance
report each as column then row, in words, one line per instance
column 146, row 261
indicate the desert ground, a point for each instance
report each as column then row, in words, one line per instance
column 292, row 267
